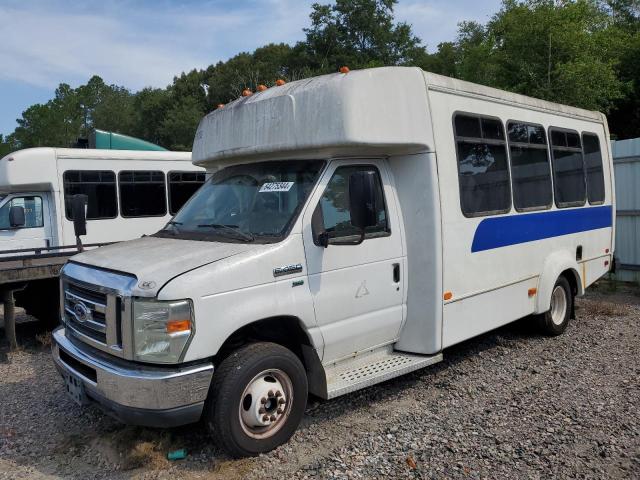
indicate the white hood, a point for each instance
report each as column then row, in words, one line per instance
column 155, row 261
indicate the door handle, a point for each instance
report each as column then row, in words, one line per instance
column 396, row 273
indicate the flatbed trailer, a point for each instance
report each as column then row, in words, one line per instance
column 19, row 267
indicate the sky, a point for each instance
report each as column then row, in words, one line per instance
column 139, row 43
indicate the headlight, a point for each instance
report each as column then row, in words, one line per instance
column 161, row 330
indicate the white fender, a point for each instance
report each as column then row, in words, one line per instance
column 554, row 265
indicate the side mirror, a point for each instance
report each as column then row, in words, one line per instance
column 79, row 214
column 362, row 200
column 16, row 216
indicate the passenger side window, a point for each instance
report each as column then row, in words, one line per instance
column 593, row 164
column 530, row 169
column 182, row 185
column 334, row 206
column 568, row 168
column 142, row 194
column 100, row 188
column 32, row 212
column 483, row 172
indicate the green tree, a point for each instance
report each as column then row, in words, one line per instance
column 358, row 33
column 5, row 146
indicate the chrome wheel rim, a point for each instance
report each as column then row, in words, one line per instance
column 558, row 305
column 265, row 404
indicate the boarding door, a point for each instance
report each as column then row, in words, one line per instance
column 357, row 288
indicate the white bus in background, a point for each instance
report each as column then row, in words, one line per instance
column 354, row 227
column 130, row 194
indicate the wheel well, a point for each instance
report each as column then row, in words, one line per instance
column 288, row 332
column 573, row 279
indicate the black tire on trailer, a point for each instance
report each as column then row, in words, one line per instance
column 554, row 322
column 257, row 398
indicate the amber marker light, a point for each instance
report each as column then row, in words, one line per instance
column 280, row 82
column 344, row 69
column 246, row 92
column 176, row 326
column 532, row 291
column 447, row 295
column 262, row 88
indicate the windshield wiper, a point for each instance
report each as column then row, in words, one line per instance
column 231, row 229
column 174, row 224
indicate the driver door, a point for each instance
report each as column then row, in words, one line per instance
column 358, row 290
column 36, row 230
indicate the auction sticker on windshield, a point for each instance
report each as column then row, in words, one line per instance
column 276, row 187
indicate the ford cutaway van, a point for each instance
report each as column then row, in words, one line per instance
column 354, row 227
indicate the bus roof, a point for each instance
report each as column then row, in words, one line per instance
column 382, row 110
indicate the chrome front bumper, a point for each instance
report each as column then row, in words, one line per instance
column 134, row 393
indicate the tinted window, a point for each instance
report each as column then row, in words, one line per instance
column 334, row 205
column 100, row 188
column 530, row 171
column 142, row 194
column 182, row 185
column 593, row 164
column 482, row 166
column 568, row 168
column 33, row 217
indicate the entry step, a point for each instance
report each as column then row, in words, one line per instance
column 371, row 368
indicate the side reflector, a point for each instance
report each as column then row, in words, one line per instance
column 606, row 263
column 532, row 291
column 606, row 250
column 447, row 295
column 178, row 326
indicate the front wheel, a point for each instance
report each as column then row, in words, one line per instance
column 555, row 321
column 257, row 399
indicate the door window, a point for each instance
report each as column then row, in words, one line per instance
column 32, row 212
column 334, row 206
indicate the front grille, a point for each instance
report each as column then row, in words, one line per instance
column 86, row 311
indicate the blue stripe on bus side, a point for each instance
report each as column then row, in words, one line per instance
column 496, row 232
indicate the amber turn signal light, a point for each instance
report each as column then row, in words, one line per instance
column 176, row 326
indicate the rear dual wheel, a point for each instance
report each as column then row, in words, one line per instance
column 554, row 322
column 257, row 399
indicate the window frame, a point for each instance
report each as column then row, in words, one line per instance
column 546, row 147
column 368, row 236
column 164, row 183
column 25, row 227
column 115, row 183
column 168, row 174
column 475, row 140
column 550, row 130
column 586, row 173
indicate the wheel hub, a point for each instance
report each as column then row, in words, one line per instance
column 264, row 401
column 558, row 305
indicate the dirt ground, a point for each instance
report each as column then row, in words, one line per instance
column 508, row 404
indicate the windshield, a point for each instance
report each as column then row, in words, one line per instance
column 254, row 202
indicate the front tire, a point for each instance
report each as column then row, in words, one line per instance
column 554, row 322
column 257, row 398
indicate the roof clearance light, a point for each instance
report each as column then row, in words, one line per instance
column 447, row 296
column 262, row 88
column 344, row 69
column 247, row 93
column 220, row 105
column 280, row 82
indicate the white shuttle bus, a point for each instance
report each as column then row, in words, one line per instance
column 354, row 227
column 129, row 193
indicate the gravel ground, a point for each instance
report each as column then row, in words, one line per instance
column 508, row 404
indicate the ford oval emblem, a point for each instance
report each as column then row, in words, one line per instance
column 81, row 312
column 147, row 285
